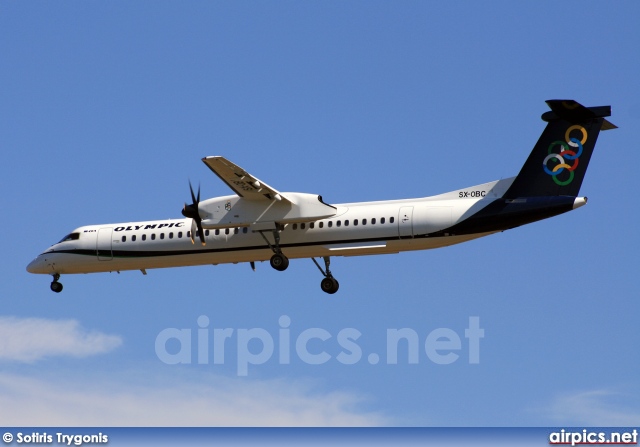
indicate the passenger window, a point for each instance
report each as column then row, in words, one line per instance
column 312, row 225
column 144, row 237
column 206, row 232
column 171, row 235
column 153, row 237
column 244, row 230
column 217, row 231
column 124, row 238
column 391, row 219
column 133, row 238
column 189, row 234
column 179, row 234
column 364, row 221
column 330, row 223
column 226, row 231
column 321, row 225
column 236, row 230
column 302, row 226
column 338, row 223
column 346, row 223
column 295, row 227
column 161, row 235
column 355, row 221
column 373, row 221
column 382, row 220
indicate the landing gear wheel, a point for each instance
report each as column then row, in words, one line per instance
column 279, row 262
column 56, row 287
column 329, row 285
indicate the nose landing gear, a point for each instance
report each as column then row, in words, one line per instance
column 55, row 285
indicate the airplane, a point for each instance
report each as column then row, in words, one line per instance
column 260, row 223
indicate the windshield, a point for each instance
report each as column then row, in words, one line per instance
column 70, row 237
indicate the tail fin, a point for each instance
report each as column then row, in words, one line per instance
column 559, row 160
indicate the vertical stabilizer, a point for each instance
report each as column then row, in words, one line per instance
column 558, row 162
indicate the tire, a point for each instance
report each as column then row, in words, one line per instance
column 279, row 262
column 329, row 285
column 56, row 287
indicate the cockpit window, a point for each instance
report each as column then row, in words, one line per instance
column 70, row 237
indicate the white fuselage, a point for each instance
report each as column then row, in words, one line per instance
column 365, row 228
column 259, row 222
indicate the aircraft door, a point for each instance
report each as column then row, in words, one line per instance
column 103, row 244
column 405, row 221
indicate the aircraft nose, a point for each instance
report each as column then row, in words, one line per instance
column 36, row 266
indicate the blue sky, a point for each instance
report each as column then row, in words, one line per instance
column 106, row 109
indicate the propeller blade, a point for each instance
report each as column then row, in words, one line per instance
column 193, row 212
column 194, row 228
column 201, row 234
column 193, row 197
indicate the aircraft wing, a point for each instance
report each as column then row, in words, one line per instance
column 240, row 181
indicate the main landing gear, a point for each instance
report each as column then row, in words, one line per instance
column 278, row 261
column 55, row 285
column 329, row 284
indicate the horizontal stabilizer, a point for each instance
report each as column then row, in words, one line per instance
column 608, row 125
column 574, row 112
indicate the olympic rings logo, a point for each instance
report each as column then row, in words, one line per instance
column 567, row 154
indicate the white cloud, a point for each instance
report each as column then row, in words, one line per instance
column 31, row 339
column 149, row 398
column 195, row 400
column 595, row 408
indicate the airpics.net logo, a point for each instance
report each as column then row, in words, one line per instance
column 314, row 346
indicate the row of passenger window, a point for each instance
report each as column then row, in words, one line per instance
column 153, row 236
column 179, row 234
column 236, row 230
column 356, row 222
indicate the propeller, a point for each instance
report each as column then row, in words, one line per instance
column 191, row 211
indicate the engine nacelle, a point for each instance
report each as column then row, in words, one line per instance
column 234, row 211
